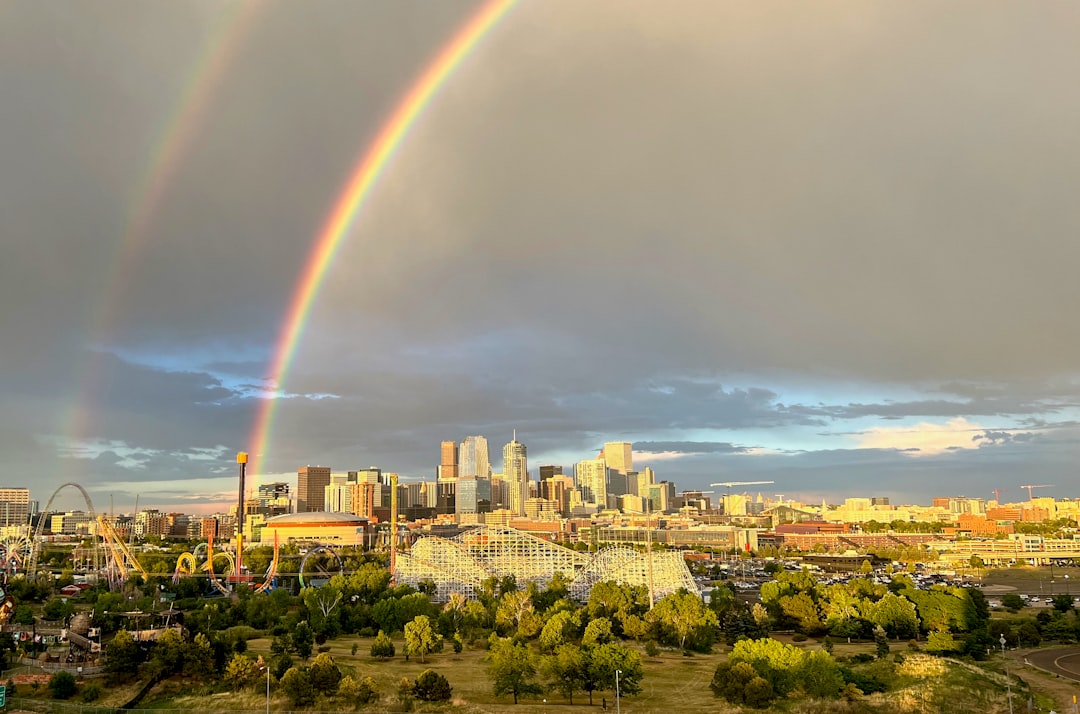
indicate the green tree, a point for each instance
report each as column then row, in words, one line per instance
column 421, row 638
column 598, row 632
column 512, row 668
column 122, row 657
column 1062, row 602
column 773, row 660
column 803, row 611
column 431, row 686
column 881, row 641
column 57, row 609
column 682, row 619
column 356, row 692
column 62, row 685
column 382, row 647
column 514, row 608
column 324, row 674
column 603, row 661
column 896, row 615
column 199, row 661
column 296, row 685
column 170, row 653
column 819, row 676
column 560, row 628
column 1012, row 601
column 240, row 672
column 303, row 639
column 565, row 670
column 941, row 642
column 739, row 684
column 1028, row 635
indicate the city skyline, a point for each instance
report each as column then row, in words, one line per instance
column 821, row 246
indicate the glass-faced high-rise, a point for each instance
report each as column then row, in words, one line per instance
column 473, row 457
column 516, row 469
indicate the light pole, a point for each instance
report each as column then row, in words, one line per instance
column 618, row 709
column 1008, row 682
column 267, row 668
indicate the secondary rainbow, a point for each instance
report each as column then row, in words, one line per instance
column 352, row 199
column 172, row 142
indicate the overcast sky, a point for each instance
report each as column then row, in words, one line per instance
column 832, row 245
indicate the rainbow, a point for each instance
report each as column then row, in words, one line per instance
column 172, row 142
column 363, row 179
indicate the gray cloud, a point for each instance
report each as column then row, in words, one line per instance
column 611, row 223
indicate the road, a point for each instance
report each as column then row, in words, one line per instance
column 1064, row 661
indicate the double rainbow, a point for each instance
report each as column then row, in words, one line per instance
column 172, row 143
column 352, row 199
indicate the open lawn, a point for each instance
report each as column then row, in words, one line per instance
column 672, row 683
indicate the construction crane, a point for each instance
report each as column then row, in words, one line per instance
column 997, row 493
column 729, row 484
column 1041, row 485
column 693, row 494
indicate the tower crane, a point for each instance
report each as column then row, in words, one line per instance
column 1041, row 485
column 729, row 484
column 997, row 493
column 697, row 494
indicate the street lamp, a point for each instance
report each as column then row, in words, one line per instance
column 618, row 709
column 267, row 668
column 1008, row 682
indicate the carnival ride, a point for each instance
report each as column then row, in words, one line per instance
column 319, row 565
column 14, row 554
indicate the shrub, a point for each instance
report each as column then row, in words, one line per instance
column 323, row 649
column 366, row 632
column 91, row 693
column 296, row 684
column 799, row 637
column 431, row 686
column 651, row 648
column 866, row 682
column 382, row 647
column 62, row 685
column 362, row 692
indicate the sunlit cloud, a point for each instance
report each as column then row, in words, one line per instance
column 924, row 438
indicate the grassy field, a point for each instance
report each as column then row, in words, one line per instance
column 672, row 683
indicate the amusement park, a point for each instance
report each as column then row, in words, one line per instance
column 66, row 603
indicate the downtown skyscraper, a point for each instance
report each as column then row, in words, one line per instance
column 473, row 458
column 516, row 472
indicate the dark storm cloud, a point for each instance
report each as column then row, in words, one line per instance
column 609, row 222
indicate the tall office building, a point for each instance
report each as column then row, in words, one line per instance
column 547, row 472
column 448, row 463
column 311, row 483
column 646, row 478
column 14, row 506
column 516, row 471
column 339, row 493
column 619, row 456
column 473, row 458
column 591, row 476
